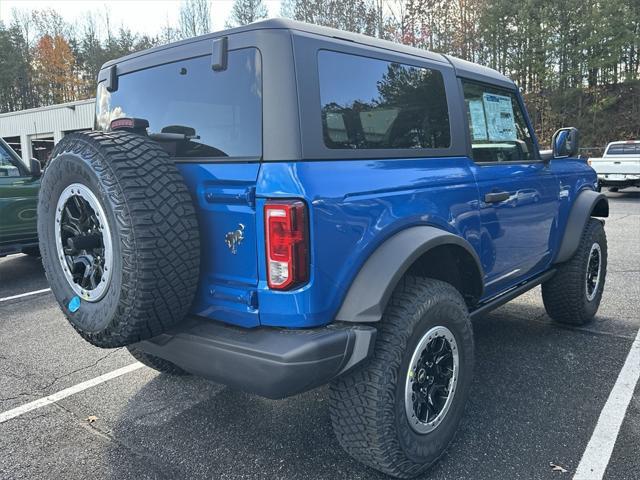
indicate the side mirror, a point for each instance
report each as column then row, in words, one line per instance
column 35, row 168
column 565, row 142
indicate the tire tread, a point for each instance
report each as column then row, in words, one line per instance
column 158, row 228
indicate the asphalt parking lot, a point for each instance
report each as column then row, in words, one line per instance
column 538, row 393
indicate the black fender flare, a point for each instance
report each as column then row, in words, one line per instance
column 372, row 287
column 588, row 203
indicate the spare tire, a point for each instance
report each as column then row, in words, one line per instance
column 118, row 236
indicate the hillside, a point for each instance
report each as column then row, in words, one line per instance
column 602, row 114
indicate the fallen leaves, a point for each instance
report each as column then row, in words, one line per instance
column 91, row 418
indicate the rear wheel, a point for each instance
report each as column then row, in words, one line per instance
column 573, row 294
column 399, row 411
column 118, row 236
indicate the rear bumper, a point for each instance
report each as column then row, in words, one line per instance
column 618, row 179
column 271, row 362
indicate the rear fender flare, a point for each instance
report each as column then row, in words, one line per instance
column 372, row 287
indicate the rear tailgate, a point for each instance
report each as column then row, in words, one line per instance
column 619, row 160
column 616, row 164
column 225, row 198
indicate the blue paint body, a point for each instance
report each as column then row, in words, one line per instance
column 354, row 206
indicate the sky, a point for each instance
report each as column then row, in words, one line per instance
column 141, row 16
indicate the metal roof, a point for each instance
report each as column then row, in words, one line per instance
column 50, row 119
column 70, row 105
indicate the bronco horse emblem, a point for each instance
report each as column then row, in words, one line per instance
column 235, row 238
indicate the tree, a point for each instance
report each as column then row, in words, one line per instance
column 49, row 22
column 54, row 70
column 359, row 16
column 16, row 88
column 195, row 16
column 246, row 11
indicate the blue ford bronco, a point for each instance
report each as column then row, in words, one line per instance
column 282, row 206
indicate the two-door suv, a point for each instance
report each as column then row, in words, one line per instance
column 281, row 206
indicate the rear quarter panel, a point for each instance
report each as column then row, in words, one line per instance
column 355, row 205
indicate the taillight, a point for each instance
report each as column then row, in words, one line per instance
column 287, row 244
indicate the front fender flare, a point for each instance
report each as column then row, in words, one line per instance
column 370, row 291
column 588, row 204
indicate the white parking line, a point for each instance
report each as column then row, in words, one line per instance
column 599, row 449
column 41, row 402
column 35, row 292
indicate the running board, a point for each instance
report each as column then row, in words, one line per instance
column 509, row 295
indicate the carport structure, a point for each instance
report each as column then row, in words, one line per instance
column 33, row 133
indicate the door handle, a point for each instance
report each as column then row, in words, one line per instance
column 495, row 197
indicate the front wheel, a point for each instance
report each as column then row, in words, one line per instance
column 573, row 294
column 399, row 411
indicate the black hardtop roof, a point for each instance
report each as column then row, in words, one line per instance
column 463, row 68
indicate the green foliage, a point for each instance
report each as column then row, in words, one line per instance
column 602, row 113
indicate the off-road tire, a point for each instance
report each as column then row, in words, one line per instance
column 367, row 404
column 565, row 294
column 157, row 363
column 154, row 233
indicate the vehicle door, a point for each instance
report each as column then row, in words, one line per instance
column 519, row 194
column 18, row 199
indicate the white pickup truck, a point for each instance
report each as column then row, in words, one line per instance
column 619, row 167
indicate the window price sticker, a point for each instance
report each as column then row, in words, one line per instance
column 501, row 124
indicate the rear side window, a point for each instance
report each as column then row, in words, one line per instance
column 374, row 104
column 624, row 149
column 497, row 126
column 221, row 112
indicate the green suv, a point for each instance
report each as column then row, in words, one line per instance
column 19, row 187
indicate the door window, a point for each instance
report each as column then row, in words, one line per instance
column 7, row 168
column 497, row 125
